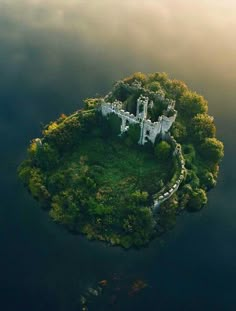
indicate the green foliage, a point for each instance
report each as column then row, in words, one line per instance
column 121, row 91
column 24, row 171
column 202, row 127
column 137, row 76
column 198, row 199
column 192, row 179
column 43, row 155
column 64, row 209
column 140, row 197
column 212, row 150
column 167, row 215
column 131, row 102
column 160, row 77
column 190, row 104
column 114, row 124
column 163, row 151
column 64, row 135
column 176, row 88
column 179, row 131
column 134, row 133
column 154, row 86
column 156, row 110
column 208, row 180
column 37, row 185
column 91, row 103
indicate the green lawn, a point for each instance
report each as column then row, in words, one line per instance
column 114, row 165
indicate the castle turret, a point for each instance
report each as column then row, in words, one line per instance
column 142, row 107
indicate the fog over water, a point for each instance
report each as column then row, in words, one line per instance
column 52, row 55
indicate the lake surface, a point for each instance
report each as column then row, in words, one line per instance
column 52, row 55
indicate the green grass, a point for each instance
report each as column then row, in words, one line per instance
column 120, row 167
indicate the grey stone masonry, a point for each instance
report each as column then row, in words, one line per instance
column 148, row 129
column 174, row 184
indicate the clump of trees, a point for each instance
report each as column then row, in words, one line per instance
column 82, row 184
column 194, row 129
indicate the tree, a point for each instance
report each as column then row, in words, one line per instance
column 140, row 197
column 179, row 131
column 44, row 155
column 163, row 151
column 131, row 102
column 37, row 186
column 65, row 210
column 24, row 171
column 154, row 86
column 197, row 199
column 138, row 76
column 192, row 178
column 121, row 91
column 177, row 89
column 161, row 77
column 114, row 123
column 207, row 179
column 191, row 103
column 156, row 110
column 212, row 150
column 202, row 126
column 64, row 135
column 91, row 103
column 134, row 132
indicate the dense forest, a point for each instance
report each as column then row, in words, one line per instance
column 98, row 183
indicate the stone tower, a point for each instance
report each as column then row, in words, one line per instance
column 142, row 107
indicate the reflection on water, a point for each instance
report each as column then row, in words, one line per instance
column 52, row 55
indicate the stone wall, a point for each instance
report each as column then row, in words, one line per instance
column 177, row 179
column 148, row 129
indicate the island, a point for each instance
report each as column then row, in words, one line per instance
column 122, row 168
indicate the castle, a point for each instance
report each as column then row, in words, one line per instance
column 148, row 129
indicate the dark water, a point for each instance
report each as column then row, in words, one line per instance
column 52, row 55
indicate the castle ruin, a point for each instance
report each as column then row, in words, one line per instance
column 148, row 129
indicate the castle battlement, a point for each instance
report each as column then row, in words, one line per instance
column 148, row 129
